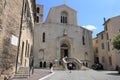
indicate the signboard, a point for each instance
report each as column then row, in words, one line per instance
column 14, row 40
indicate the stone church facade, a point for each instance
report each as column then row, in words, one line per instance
column 60, row 36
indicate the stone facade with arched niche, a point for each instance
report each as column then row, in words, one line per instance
column 62, row 37
column 64, row 44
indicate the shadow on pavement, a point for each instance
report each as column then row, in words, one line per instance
column 115, row 74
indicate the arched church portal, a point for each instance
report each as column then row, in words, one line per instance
column 64, row 50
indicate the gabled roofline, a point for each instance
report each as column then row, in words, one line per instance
column 107, row 21
column 64, row 5
column 100, row 32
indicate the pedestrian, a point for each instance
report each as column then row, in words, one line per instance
column 9, row 78
column 5, row 78
column 51, row 67
column 70, row 66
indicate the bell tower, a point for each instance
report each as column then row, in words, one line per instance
column 39, row 14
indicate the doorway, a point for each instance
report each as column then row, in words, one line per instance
column 64, row 51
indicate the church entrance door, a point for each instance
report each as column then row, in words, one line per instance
column 64, row 51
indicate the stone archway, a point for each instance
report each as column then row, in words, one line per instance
column 64, row 51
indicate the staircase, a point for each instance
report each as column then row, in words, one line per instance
column 77, row 64
column 23, row 72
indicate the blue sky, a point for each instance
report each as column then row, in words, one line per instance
column 90, row 13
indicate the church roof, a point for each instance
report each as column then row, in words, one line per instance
column 64, row 5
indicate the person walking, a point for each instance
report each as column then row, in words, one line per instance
column 9, row 78
column 51, row 67
column 5, row 78
column 70, row 66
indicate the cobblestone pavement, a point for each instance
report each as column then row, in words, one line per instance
column 38, row 73
column 85, row 75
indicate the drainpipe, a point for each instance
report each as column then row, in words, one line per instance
column 20, row 32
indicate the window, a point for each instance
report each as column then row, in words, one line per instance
column 43, row 37
column 106, row 27
column 110, row 61
column 101, row 36
column 83, row 40
column 96, row 60
column 86, row 53
column 21, row 59
column 38, row 10
column 64, row 16
column 37, row 19
column 96, row 41
column 103, row 59
column 107, row 36
column 108, row 46
column 26, row 48
column 25, row 6
column 96, row 50
column 102, row 45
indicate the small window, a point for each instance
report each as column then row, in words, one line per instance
column 96, row 50
column 25, row 6
column 83, row 40
column 37, row 19
column 102, row 45
column 22, row 52
column 43, row 37
column 103, row 59
column 108, row 46
column 26, row 48
column 110, row 61
column 101, row 36
column 96, row 41
column 107, row 36
column 106, row 27
column 38, row 10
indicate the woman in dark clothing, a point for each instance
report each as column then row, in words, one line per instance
column 51, row 67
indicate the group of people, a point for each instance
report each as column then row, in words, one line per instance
column 7, row 78
column 70, row 66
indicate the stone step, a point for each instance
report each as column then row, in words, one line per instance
column 23, row 72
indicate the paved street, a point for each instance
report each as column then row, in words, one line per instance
column 38, row 74
column 74, row 75
column 84, row 75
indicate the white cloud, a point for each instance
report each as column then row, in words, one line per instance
column 89, row 27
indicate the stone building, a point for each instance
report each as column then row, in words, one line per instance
column 60, row 36
column 104, row 52
column 16, row 33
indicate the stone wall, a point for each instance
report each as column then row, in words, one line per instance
column 10, row 22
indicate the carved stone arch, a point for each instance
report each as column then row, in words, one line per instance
column 64, row 13
column 65, row 48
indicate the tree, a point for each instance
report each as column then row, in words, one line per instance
column 116, row 41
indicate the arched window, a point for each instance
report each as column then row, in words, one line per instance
column 83, row 40
column 21, row 59
column 38, row 9
column 37, row 19
column 43, row 37
column 64, row 17
column 110, row 61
